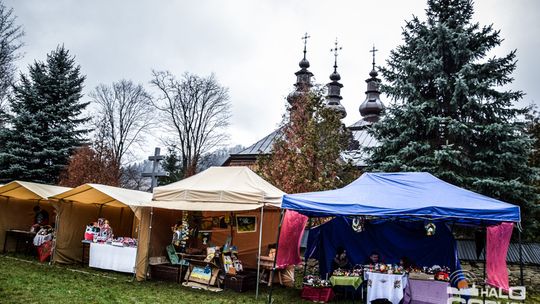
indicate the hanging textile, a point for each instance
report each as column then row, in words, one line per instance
column 498, row 240
column 292, row 229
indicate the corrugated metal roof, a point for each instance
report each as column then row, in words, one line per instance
column 531, row 252
column 358, row 156
column 263, row 146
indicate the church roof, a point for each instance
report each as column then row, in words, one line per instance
column 264, row 145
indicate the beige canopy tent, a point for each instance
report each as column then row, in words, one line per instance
column 84, row 204
column 17, row 200
column 221, row 191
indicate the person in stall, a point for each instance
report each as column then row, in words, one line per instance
column 405, row 262
column 41, row 217
column 341, row 260
column 374, row 258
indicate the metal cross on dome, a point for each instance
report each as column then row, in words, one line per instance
column 373, row 50
column 335, row 50
column 305, row 38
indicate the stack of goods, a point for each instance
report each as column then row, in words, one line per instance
column 434, row 272
column 355, row 272
column 385, row 268
column 99, row 231
column 315, row 281
column 124, row 242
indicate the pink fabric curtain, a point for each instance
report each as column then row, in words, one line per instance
column 498, row 240
column 292, row 230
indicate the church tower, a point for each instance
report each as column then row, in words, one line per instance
column 372, row 107
column 333, row 97
column 303, row 77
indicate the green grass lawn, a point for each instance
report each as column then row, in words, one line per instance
column 27, row 281
column 23, row 281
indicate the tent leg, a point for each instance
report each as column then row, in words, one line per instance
column 521, row 281
column 259, row 255
column 275, row 259
column 485, row 260
column 149, row 241
column 138, row 238
column 305, row 258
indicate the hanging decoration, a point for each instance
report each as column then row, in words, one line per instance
column 430, row 229
column 358, row 223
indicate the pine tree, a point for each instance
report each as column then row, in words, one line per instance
column 46, row 122
column 172, row 165
column 450, row 115
column 307, row 156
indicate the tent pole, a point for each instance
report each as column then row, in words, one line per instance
column 232, row 228
column 275, row 258
column 259, row 255
column 520, row 257
column 485, row 260
column 149, row 242
column 305, row 258
column 140, row 209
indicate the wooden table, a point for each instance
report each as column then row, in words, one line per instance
column 85, row 252
column 26, row 237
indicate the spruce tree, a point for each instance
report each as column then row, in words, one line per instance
column 46, row 124
column 450, row 114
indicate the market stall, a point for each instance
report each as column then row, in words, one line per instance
column 25, row 209
column 397, row 215
column 219, row 206
column 99, row 219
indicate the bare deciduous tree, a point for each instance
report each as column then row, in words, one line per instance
column 197, row 109
column 125, row 114
column 10, row 43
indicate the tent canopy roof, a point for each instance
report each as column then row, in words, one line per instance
column 218, row 189
column 404, row 195
column 30, row 191
column 106, row 195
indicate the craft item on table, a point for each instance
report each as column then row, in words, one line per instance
column 227, row 263
column 44, row 234
column 315, row 281
column 105, row 232
column 210, row 254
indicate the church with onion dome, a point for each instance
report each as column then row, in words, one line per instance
column 370, row 111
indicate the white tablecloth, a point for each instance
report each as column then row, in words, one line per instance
column 110, row 257
column 385, row 286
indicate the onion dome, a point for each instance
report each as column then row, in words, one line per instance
column 372, row 107
column 333, row 97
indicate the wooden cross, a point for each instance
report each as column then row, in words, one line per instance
column 335, row 50
column 155, row 159
column 305, row 38
column 373, row 50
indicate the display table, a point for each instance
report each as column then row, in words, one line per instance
column 424, row 291
column 20, row 236
column 317, row 294
column 110, row 257
column 346, row 281
column 385, row 286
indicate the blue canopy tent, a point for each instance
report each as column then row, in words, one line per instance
column 403, row 196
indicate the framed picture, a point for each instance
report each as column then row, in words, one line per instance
column 246, row 223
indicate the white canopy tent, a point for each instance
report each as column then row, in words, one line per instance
column 72, row 220
column 221, row 189
column 17, row 200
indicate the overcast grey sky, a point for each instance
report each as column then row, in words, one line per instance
column 253, row 47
